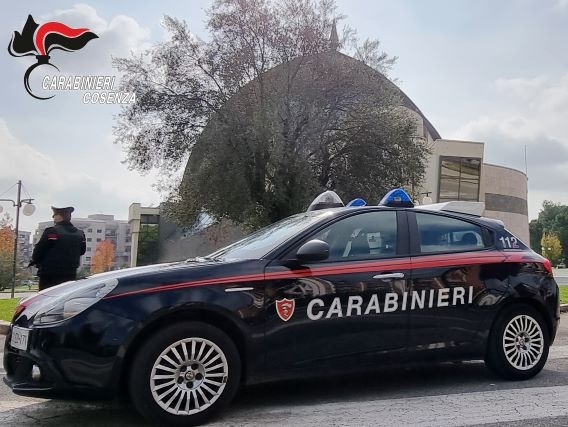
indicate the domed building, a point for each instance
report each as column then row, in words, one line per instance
column 320, row 121
column 455, row 170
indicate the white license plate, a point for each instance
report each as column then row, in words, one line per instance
column 20, row 338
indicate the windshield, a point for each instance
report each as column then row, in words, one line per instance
column 264, row 240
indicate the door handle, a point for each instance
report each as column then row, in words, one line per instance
column 389, row 276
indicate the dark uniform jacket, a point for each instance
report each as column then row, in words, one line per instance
column 59, row 250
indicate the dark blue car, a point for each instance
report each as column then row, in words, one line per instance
column 317, row 293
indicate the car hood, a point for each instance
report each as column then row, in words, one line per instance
column 182, row 274
column 151, row 278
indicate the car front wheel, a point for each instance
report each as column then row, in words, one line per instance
column 518, row 344
column 184, row 374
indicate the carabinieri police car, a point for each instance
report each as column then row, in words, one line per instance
column 352, row 286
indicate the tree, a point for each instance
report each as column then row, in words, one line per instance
column 332, row 129
column 560, row 229
column 103, row 258
column 7, row 236
column 552, row 249
column 535, row 232
column 268, row 113
column 148, row 244
column 552, row 219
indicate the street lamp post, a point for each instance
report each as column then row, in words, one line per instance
column 28, row 210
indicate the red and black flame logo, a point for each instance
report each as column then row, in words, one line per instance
column 40, row 40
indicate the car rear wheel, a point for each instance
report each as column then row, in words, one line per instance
column 184, row 374
column 518, row 343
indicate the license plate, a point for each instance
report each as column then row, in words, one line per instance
column 20, row 338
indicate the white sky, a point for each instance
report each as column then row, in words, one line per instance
column 480, row 70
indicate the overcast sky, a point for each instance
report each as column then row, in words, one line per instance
column 481, row 70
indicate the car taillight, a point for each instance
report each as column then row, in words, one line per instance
column 547, row 265
column 18, row 311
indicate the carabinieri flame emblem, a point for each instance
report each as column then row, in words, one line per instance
column 40, row 40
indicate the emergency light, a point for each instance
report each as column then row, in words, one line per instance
column 327, row 199
column 397, row 198
column 356, row 202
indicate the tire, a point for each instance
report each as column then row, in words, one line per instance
column 518, row 343
column 181, row 368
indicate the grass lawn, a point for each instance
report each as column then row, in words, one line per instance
column 7, row 308
column 563, row 294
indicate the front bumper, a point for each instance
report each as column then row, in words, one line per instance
column 49, row 380
column 71, row 359
column 18, row 377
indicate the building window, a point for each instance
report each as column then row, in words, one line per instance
column 149, row 219
column 89, row 239
column 98, row 240
column 87, row 258
column 90, row 230
column 459, row 179
column 99, row 231
column 88, row 249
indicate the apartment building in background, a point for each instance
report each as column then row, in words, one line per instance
column 97, row 228
column 25, row 247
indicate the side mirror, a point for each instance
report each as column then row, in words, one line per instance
column 314, row 250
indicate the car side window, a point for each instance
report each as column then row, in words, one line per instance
column 363, row 236
column 443, row 234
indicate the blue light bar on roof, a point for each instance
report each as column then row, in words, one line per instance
column 397, row 198
column 356, row 202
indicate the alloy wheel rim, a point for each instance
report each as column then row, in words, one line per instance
column 523, row 342
column 189, row 376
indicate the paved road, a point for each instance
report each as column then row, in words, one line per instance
column 561, row 276
column 443, row 395
column 7, row 295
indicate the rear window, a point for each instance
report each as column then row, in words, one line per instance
column 444, row 234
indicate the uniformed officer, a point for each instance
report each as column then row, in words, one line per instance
column 57, row 253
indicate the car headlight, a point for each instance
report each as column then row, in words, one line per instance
column 78, row 298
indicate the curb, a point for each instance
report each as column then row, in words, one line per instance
column 4, row 327
column 563, row 308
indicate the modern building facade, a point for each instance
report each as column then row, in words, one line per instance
column 144, row 223
column 24, row 248
column 97, row 228
column 456, row 171
column 504, row 191
column 155, row 239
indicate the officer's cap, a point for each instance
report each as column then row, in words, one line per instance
column 64, row 212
